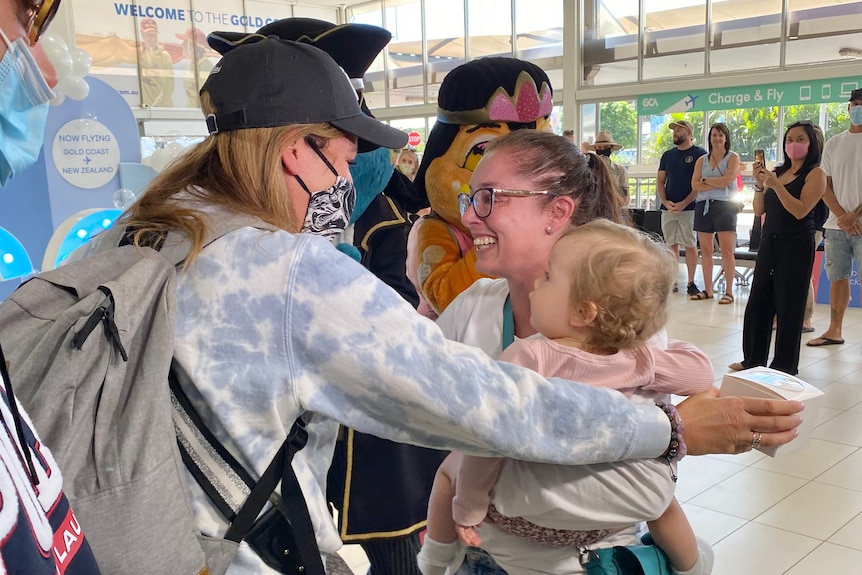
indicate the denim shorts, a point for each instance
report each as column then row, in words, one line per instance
column 478, row 562
column 840, row 249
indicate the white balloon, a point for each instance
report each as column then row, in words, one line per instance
column 51, row 39
column 81, row 62
column 123, row 198
column 160, row 158
column 60, row 59
column 76, row 88
column 175, row 149
column 59, row 98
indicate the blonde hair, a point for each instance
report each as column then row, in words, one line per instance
column 627, row 277
column 239, row 171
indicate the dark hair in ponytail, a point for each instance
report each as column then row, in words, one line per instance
column 555, row 164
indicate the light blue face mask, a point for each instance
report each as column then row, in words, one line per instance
column 24, row 96
column 856, row 115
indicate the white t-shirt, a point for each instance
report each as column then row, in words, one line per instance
column 842, row 161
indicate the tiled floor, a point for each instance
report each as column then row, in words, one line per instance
column 796, row 514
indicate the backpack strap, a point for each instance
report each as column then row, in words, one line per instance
column 232, row 489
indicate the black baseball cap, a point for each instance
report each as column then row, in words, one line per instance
column 856, row 94
column 277, row 82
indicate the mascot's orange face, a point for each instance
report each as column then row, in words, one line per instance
column 449, row 175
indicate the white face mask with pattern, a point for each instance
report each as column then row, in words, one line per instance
column 329, row 210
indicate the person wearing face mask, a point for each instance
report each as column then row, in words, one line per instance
column 843, row 197
column 782, row 271
column 408, row 163
column 604, row 147
column 39, row 533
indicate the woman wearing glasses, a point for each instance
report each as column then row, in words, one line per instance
column 781, row 274
column 527, row 191
column 714, row 180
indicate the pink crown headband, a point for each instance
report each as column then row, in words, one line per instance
column 527, row 105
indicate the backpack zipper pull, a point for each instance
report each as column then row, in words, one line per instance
column 112, row 332
column 94, row 319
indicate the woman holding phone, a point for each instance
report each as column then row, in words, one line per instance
column 781, row 274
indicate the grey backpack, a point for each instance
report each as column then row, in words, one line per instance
column 90, row 347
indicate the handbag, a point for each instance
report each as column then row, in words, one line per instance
column 646, row 559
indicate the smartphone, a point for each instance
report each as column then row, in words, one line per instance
column 760, row 157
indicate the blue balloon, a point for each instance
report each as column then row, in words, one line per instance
column 14, row 261
column 83, row 231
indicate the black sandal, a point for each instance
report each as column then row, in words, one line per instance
column 692, row 289
column 700, row 296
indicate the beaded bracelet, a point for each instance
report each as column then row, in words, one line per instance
column 676, row 449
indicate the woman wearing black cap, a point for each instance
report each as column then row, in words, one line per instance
column 274, row 324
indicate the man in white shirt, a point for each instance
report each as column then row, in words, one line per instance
column 842, row 162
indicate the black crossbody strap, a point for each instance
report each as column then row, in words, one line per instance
column 230, row 487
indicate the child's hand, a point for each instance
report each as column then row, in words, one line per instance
column 468, row 536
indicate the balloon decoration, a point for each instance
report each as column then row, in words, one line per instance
column 167, row 149
column 124, row 198
column 71, row 66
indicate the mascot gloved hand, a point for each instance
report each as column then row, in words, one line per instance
column 478, row 102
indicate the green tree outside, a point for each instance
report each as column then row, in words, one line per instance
column 621, row 120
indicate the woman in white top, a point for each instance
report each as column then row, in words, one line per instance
column 529, row 188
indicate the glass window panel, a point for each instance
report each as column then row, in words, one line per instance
column 817, row 30
column 319, row 12
column 750, row 129
column 413, row 125
column 675, row 38
column 589, row 120
column 745, row 34
column 372, row 13
column 837, row 118
column 610, row 42
column 490, row 28
column 444, row 29
column 621, row 120
column 539, row 32
column 656, row 137
column 404, row 20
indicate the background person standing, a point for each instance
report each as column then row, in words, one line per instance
column 673, row 184
column 715, row 210
column 604, row 147
column 841, row 162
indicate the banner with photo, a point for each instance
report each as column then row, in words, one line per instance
column 156, row 55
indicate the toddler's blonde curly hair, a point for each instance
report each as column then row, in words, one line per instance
column 626, row 276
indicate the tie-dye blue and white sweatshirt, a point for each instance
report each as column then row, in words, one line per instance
column 272, row 324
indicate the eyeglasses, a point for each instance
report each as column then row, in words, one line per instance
column 800, row 123
column 482, row 199
column 39, row 17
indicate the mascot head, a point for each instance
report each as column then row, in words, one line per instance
column 478, row 102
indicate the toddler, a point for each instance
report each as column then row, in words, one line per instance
column 603, row 296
